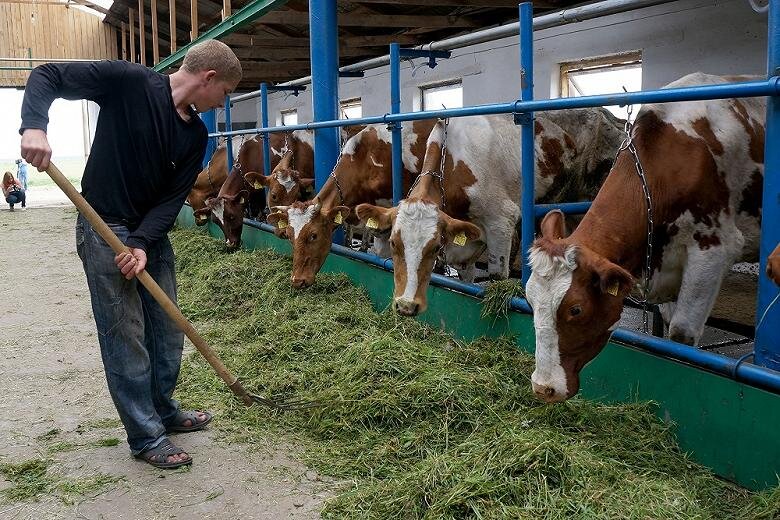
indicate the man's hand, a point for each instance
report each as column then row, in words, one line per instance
column 131, row 263
column 35, row 148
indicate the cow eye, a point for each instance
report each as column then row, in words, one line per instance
column 312, row 237
column 273, row 196
column 575, row 310
column 392, row 243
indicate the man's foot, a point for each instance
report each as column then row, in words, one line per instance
column 165, row 455
column 189, row 421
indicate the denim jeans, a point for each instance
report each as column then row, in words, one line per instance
column 16, row 196
column 140, row 345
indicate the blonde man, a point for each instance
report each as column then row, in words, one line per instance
column 147, row 152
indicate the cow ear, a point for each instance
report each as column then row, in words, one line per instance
column 375, row 217
column 242, row 197
column 284, row 163
column 201, row 216
column 257, row 180
column 459, row 231
column 278, row 220
column 339, row 214
column 210, row 202
column 610, row 278
column 553, row 225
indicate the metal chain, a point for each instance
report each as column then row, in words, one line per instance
column 628, row 144
column 333, row 171
column 439, row 175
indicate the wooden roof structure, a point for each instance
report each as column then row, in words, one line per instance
column 275, row 46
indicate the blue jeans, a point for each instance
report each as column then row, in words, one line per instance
column 15, row 197
column 140, row 345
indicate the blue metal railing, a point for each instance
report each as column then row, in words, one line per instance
column 768, row 338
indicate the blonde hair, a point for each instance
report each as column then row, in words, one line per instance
column 213, row 55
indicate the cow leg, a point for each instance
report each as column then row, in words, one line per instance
column 703, row 273
column 499, row 246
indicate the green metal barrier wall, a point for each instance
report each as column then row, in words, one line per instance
column 727, row 426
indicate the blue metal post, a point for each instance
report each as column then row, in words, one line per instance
column 527, row 134
column 228, row 128
column 767, row 347
column 210, row 120
column 395, row 108
column 325, row 85
column 264, row 124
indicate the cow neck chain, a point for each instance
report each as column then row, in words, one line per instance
column 628, row 144
column 333, row 171
column 438, row 175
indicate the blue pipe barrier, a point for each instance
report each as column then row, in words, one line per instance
column 736, row 369
column 767, row 346
column 395, row 108
column 264, row 124
column 325, row 83
column 228, row 128
column 210, row 120
column 526, row 119
column 760, row 88
column 568, row 208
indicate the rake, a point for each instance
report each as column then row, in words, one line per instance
column 276, row 401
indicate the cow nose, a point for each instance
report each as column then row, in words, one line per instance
column 230, row 244
column 300, row 283
column 545, row 393
column 406, row 308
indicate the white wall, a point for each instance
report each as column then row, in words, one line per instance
column 721, row 37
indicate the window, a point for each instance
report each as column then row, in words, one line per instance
column 289, row 117
column 442, row 95
column 350, row 109
column 605, row 75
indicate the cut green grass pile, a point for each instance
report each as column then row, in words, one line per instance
column 498, row 295
column 419, row 424
column 32, row 479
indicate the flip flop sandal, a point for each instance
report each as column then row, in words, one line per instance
column 177, row 425
column 158, row 455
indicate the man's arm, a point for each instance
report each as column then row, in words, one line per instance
column 94, row 81
column 159, row 219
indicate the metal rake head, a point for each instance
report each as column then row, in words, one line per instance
column 284, row 402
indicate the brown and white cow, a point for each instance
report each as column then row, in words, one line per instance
column 704, row 164
column 773, row 265
column 238, row 194
column 481, row 185
column 285, row 185
column 362, row 174
column 210, row 180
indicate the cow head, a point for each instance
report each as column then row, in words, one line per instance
column 284, row 185
column 310, row 228
column 577, row 297
column 419, row 231
column 227, row 211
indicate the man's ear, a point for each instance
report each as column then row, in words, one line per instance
column 375, row 217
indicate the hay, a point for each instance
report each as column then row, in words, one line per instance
column 423, row 425
column 498, row 296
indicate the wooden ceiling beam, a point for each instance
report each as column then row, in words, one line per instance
column 462, row 3
column 289, row 68
column 249, row 40
column 376, row 41
column 372, row 20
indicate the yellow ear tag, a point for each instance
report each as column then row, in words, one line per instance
column 257, row 186
column 241, row 200
column 371, row 223
column 613, row 289
column 281, row 224
column 460, row 239
column 338, row 219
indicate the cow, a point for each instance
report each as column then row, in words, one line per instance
column 704, row 165
column 210, row 180
column 363, row 173
column 228, row 208
column 285, row 185
column 474, row 204
column 773, row 265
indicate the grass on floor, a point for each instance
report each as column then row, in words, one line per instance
column 421, row 425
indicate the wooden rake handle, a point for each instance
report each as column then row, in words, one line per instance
column 157, row 293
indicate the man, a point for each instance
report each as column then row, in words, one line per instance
column 21, row 173
column 147, row 152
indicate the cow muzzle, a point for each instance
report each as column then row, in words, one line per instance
column 301, row 282
column 406, row 308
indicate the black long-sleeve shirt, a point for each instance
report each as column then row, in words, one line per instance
column 145, row 157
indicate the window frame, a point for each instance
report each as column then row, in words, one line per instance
column 439, row 85
column 623, row 60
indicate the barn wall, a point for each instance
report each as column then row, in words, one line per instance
column 675, row 39
column 50, row 31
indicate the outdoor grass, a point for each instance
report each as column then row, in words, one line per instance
column 32, row 479
column 416, row 423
